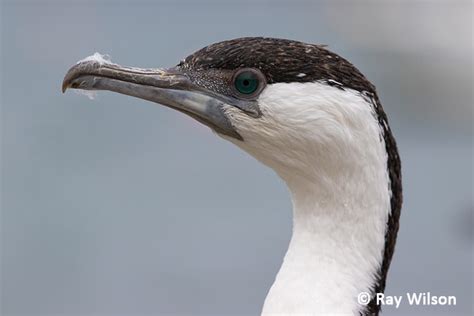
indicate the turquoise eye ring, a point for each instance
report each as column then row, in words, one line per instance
column 247, row 83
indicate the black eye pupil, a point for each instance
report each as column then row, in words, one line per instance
column 246, row 82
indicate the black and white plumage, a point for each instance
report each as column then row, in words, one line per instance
column 312, row 117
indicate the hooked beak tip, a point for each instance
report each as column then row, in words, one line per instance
column 64, row 87
column 82, row 68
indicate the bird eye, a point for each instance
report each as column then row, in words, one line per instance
column 248, row 82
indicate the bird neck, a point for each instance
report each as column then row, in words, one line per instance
column 336, row 249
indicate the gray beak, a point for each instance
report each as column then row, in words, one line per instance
column 169, row 87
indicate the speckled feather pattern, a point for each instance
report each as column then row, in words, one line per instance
column 280, row 60
column 396, row 200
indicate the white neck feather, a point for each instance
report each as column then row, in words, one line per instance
column 336, row 248
column 332, row 156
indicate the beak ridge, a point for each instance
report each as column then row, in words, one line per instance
column 169, row 87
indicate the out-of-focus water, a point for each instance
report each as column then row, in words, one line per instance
column 117, row 206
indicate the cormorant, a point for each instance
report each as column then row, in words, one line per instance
column 313, row 118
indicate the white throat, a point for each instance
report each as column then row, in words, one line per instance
column 336, row 248
column 327, row 145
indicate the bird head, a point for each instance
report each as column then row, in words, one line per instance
column 285, row 102
column 316, row 120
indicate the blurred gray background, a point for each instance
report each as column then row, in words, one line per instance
column 117, row 206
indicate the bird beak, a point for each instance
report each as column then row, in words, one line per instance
column 169, row 87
